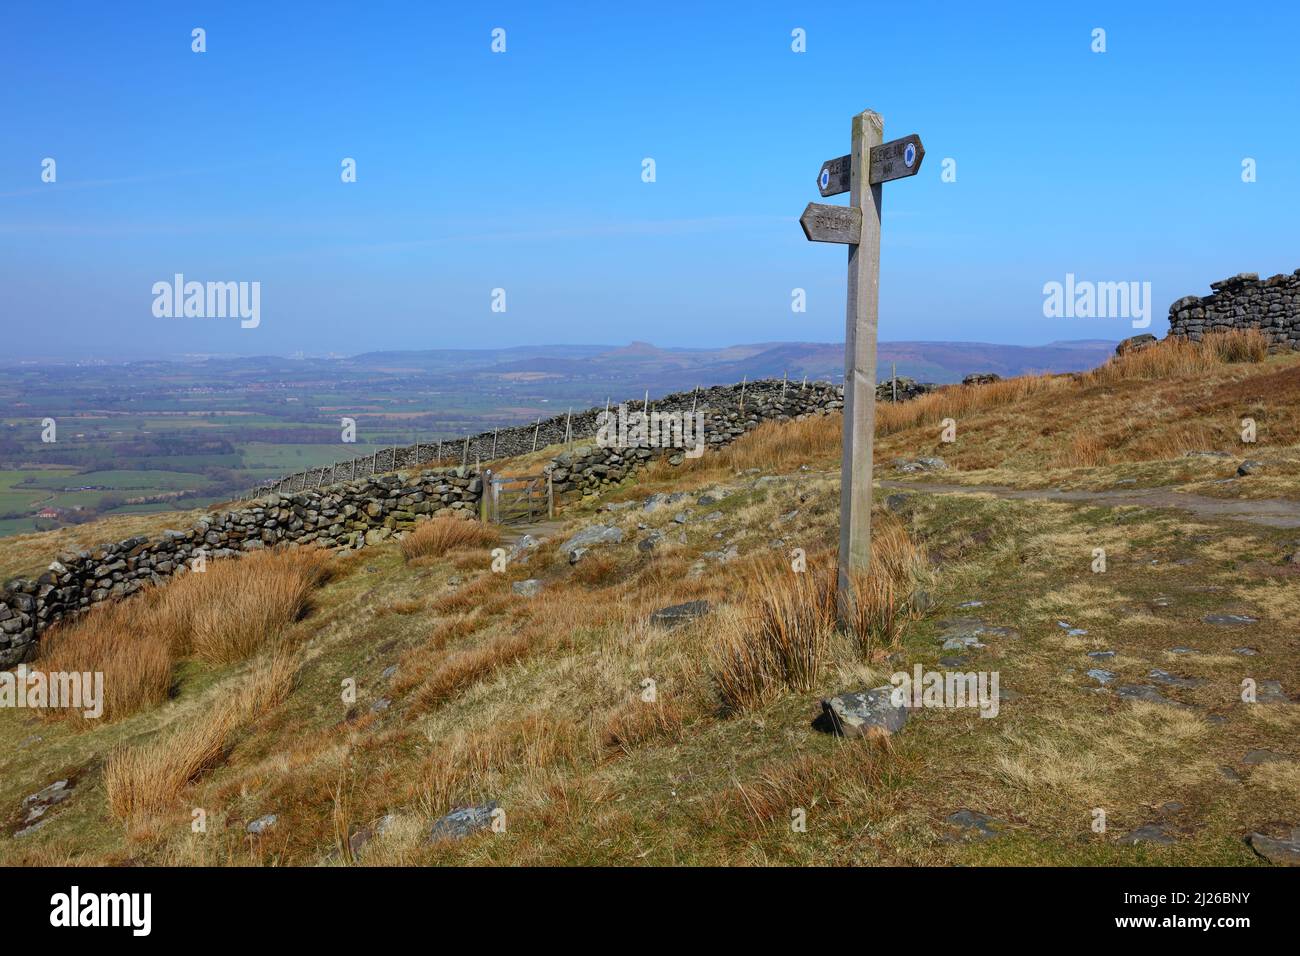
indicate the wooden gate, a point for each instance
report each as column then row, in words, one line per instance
column 518, row 499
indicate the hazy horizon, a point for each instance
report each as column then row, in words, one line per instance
column 110, row 357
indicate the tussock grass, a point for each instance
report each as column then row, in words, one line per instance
column 242, row 606
column 222, row 615
column 782, row 637
column 464, row 768
column 147, row 779
column 809, row 780
column 436, row 537
column 461, row 669
column 1176, row 357
column 637, row 722
column 114, row 640
column 784, row 446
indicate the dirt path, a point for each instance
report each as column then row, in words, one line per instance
column 1274, row 512
column 510, row 534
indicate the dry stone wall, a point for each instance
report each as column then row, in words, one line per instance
column 369, row 509
column 724, row 406
column 344, row 515
column 1243, row 302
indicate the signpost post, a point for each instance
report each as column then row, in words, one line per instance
column 869, row 164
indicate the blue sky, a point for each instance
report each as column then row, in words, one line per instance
column 522, row 170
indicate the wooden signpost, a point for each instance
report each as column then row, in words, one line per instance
column 857, row 225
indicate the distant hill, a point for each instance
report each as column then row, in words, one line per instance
column 641, row 365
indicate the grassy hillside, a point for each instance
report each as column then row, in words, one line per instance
column 468, row 692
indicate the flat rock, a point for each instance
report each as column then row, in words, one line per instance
column 650, row 541
column 55, row 793
column 1283, row 852
column 1143, row 692
column 678, row 614
column 463, row 822
column 858, row 713
column 589, row 537
column 1230, row 620
column 522, row 548
column 529, row 588
column 1270, row 692
column 972, row 826
column 1173, row 680
column 1253, row 758
column 898, row 502
column 262, row 824
column 1102, row 677
column 1148, row 833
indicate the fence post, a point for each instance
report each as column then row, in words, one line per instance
column 550, row 496
column 536, row 429
column 742, row 393
column 567, row 431
column 483, row 496
column 494, row 442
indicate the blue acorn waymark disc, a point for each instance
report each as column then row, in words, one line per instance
column 896, row 159
column 834, row 176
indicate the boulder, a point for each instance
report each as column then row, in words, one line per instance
column 860, row 713
column 463, row 822
column 679, row 614
column 1135, row 343
column 589, row 537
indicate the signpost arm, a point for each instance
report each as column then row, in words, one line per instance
column 860, row 362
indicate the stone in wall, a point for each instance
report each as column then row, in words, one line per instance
column 1243, row 301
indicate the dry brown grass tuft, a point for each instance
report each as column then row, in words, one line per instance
column 225, row 614
column 596, row 570
column 960, row 400
column 1084, row 451
column 809, row 780
column 462, row 769
column 149, row 778
column 461, row 669
column 400, row 608
column 782, row 635
column 242, row 606
column 116, row 641
column 1176, row 357
column 784, row 446
column 434, row 538
column 875, row 617
column 637, row 721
